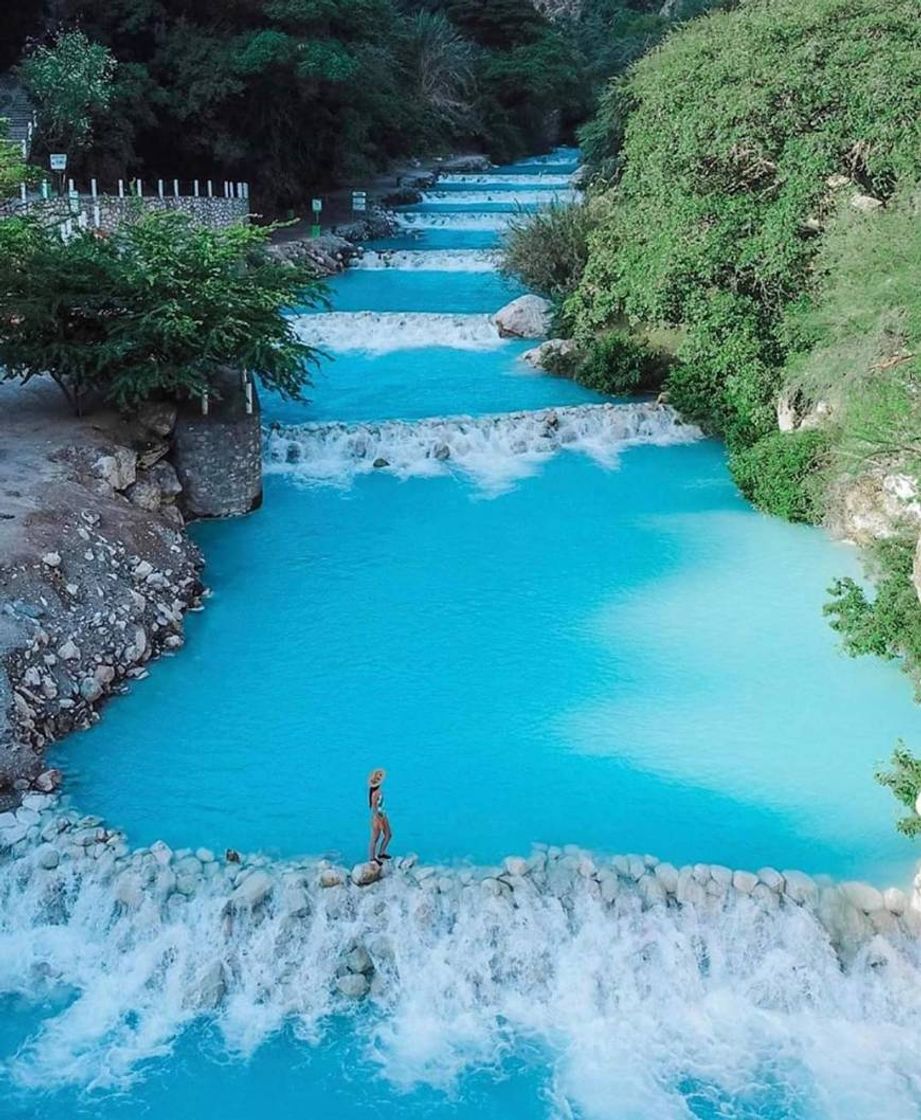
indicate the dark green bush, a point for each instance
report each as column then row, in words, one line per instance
column 888, row 625
column 780, row 473
column 617, row 364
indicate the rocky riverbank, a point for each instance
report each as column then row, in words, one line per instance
column 96, row 572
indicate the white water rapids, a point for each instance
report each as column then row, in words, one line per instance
column 428, row 260
column 382, row 332
column 636, row 996
column 494, row 451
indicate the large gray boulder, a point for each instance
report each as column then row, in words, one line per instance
column 526, row 317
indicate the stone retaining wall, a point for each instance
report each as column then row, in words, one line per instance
column 218, row 457
column 215, row 213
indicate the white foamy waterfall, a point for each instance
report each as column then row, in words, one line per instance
column 460, row 220
column 381, row 332
column 510, row 197
column 428, row 260
column 640, row 981
column 494, row 450
column 499, row 178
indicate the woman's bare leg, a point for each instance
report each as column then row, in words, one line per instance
column 375, row 836
column 385, row 824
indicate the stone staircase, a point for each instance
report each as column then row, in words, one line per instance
column 17, row 110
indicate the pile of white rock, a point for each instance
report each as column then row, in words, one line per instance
column 43, row 845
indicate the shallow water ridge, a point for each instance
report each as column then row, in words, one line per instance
column 741, row 994
column 555, row 622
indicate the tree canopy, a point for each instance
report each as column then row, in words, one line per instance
column 162, row 307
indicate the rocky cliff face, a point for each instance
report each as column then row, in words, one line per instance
column 96, row 572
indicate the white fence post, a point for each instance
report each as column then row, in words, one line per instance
column 140, row 189
column 23, row 194
column 121, row 188
column 175, row 188
column 160, row 187
column 210, row 189
column 195, row 188
column 97, row 216
column 93, row 190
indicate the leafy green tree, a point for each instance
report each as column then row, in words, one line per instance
column 162, row 307
column 71, row 81
column 903, row 778
column 887, row 624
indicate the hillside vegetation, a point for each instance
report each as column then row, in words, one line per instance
column 298, row 95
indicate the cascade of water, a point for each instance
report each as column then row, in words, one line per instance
column 638, row 979
column 381, row 332
column 429, row 260
column 516, row 197
column 498, row 178
column 460, row 220
column 492, row 450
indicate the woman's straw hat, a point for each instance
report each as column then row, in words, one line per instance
column 376, row 777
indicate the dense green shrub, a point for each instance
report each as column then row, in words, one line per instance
column 617, row 364
column 725, row 138
column 781, row 473
column 161, row 307
column 904, row 780
column 547, row 250
column 889, row 624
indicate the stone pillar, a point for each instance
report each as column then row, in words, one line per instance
column 218, row 457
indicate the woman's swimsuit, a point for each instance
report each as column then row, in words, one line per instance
column 380, row 801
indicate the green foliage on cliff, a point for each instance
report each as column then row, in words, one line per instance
column 781, row 473
column 162, row 307
column 887, row 624
column 722, row 142
column 903, row 778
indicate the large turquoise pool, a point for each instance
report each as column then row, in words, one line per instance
column 572, row 632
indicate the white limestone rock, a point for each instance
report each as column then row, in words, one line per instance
column 799, row 887
column 364, row 874
column 744, row 881
column 353, row 985
column 118, row 470
column 526, row 317
column 253, row 891
column 863, row 897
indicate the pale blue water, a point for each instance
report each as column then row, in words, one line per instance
column 630, row 659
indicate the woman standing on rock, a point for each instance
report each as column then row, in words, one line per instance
column 380, row 826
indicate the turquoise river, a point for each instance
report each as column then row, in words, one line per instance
column 554, row 621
